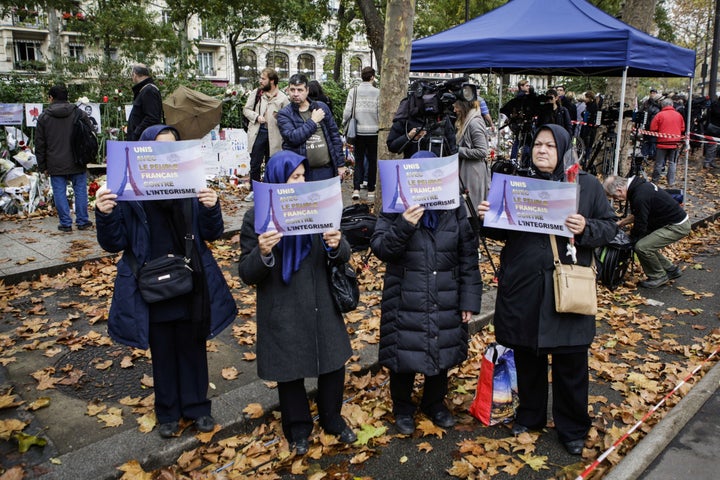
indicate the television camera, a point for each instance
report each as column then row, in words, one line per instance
column 429, row 106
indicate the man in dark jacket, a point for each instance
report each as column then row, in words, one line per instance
column 658, row 220
column 147, row 103
column 55, row 158
column 712, row 128
column 308, row 129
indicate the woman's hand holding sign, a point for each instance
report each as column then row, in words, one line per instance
column 266, row 242
column 413, row 214
column 575, row 223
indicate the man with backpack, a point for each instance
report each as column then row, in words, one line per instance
column 261, row 109
column 56, row 156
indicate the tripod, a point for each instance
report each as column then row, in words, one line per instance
column 475, row 223
column 605, row 149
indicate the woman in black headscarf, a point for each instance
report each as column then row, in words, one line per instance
column 300, row 332
column 525, row 316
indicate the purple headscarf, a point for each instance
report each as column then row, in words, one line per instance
column 294, row 248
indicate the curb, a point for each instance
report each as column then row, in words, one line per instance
column 635, row 462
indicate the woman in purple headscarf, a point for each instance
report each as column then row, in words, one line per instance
column 300, row 332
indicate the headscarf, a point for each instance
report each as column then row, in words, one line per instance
column 564, row 145
column 430, row 217
column 294, row 248
column 151, row 132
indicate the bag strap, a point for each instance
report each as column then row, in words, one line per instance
column 354, row 100
column 556, row 257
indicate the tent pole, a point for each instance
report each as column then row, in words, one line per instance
column 687, row 134
column 620, row 121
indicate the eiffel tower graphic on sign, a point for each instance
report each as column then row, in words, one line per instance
column 399, row 201
column 272, row 224
column 128, row 176
column 505, row 206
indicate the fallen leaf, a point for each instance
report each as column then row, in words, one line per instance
column 253, row 410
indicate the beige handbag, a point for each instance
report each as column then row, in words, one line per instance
column 574, row 285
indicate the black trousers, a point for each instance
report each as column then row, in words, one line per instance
column 259, row 153
column 570, row 383
column 180, row 371
column 434, row 392
column 295, row 414
column 365, row 160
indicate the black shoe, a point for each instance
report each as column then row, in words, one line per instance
column 301, row 446
column 168, row 430
column 85, row 226
column 575, row 447
column 654, row 282
column 205, row 424
column 518, row 429
column 443, row 419
column 347, row 436
column 405, row 424
column 674, row 273
column 64, row 228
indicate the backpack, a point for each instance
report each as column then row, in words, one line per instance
column 357, row 225
column 614, row 259
column 83, row 139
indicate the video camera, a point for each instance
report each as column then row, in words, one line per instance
column 609, row 115
column 429, row 102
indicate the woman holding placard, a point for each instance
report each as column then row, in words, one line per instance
column 300, row 332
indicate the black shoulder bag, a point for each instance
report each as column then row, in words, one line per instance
column 168, row 276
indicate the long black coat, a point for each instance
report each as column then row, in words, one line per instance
column 431, row 276
column 300, row 332
column 525, row 313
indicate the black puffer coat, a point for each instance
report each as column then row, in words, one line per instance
column 431, row 277
column 525, row 313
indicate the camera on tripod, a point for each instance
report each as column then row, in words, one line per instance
column 609, row 115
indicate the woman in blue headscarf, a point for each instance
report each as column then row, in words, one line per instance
column 174, row 329
column 300, row 332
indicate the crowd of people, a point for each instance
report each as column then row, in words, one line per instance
column 432, row 285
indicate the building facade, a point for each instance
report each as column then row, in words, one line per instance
column 30, row 39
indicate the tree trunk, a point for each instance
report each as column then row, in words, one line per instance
column 232, row 40
column 375, row 28
column 638, row 14
column 393, row 86
column 344, row 17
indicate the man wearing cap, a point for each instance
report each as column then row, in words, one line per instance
column 648, row 110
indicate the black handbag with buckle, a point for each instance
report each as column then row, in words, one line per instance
column 168, row 276
column 344, row 286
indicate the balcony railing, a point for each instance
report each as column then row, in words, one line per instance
column 31, row 65
column 30, row 20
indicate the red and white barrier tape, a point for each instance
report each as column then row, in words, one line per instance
column 612, row 448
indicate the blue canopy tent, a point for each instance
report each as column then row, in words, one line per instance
column 552, row 37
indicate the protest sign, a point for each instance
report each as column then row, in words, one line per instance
column 298, row 208
column 155, row 170
column 530, row 204
column 430, row 182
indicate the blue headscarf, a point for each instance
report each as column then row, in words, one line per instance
column 430, row 217
column 151, row 132
column 294, row 248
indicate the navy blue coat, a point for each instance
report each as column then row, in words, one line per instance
column 295, row 131
column 431, row 276
column 126, row 228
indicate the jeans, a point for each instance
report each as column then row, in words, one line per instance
column 260, row 151
column 59, row 188
column 648, row 248
column 662, row 156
